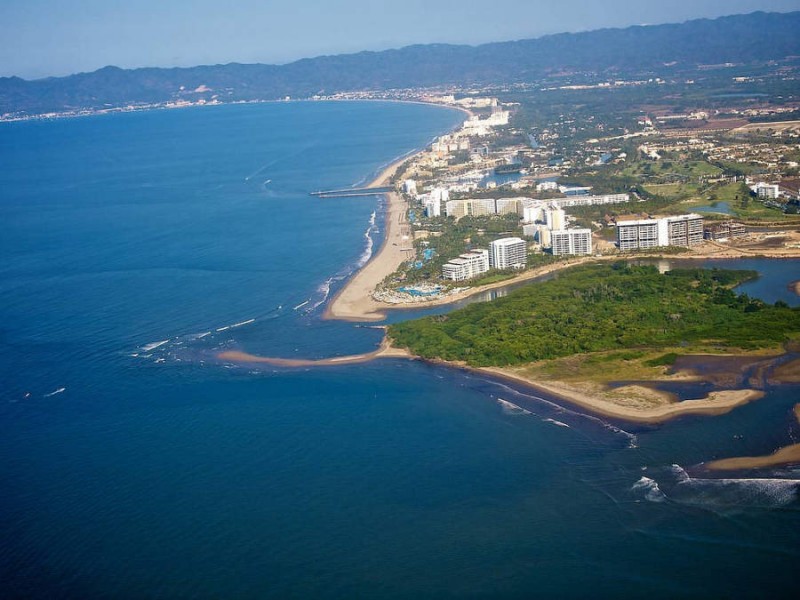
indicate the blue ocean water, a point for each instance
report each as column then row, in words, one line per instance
column 133, row 464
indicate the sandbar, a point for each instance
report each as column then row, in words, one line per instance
column 661, row 409
column 656, row 408
column 782, row 456
column 386, row 350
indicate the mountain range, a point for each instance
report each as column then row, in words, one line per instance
column 756, row 37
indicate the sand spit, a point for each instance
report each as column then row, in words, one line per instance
column 629, row 403
column 386, row 350
column 633, row 403
column 782, row 456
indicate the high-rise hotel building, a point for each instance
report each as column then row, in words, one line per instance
column 571, row 241
column 508, row 253
column 683, row 230
column 466, row 266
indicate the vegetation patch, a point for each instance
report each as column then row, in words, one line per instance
column 665, row 360
column 602, row 308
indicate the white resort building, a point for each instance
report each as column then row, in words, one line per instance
column 508, row 253
column 571, row 241
column 683, row 230
column 472, row 207
column 466, row 266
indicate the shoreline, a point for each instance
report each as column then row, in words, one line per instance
column 366, row 309
column 354, row 301
column 82, row 113
column 715, row 403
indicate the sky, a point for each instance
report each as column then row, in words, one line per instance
column 40, row 38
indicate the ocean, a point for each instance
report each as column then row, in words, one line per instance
column 134, row 464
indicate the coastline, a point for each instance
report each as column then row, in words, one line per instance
column 716, row 403
column 169, row 105
column 361, row 306
column 354, row 302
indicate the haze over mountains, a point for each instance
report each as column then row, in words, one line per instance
column 757, row 37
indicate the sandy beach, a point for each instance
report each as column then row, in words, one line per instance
column 716, row 403
column 354, row 301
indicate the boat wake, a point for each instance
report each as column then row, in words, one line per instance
column 153, row 345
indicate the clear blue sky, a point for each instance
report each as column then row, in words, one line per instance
column 57, row 37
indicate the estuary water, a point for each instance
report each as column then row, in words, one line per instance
column 133, row 464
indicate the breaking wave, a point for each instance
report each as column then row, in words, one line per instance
column 153, row 345
column 367, row 254
column 649, row 489
column 562, row 410
column 725, row 495
column 323, row 290
column 510, row 408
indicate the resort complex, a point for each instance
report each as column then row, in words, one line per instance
column 503, row 195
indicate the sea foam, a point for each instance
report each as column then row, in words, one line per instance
column 649, row 489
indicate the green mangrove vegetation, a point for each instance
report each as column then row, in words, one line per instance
column 604, row 307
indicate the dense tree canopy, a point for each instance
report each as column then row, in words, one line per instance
column 603, row 307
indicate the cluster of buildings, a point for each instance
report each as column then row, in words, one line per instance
column 478, row 127
column 586, row 200
column 681, row 230
column 548, row 225
column 787, row 189
column 529, row 209
column 505, row 253
column 782, row 195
